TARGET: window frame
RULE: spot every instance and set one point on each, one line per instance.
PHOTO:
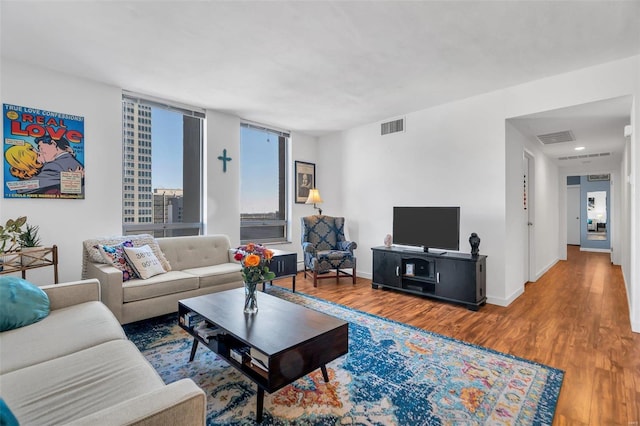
(284, 139)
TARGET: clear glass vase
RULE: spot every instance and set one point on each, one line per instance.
(250, 298)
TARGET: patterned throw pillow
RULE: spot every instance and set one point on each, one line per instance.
(116, 257)
(94, 255)
(145, 263)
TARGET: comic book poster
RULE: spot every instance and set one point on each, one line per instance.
(43, 153)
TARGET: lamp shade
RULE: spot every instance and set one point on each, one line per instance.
(314, 197)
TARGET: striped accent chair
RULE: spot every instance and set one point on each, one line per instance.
(325, 248)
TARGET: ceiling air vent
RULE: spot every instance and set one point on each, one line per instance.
(575, 157)
(392, 126)
(557, 137)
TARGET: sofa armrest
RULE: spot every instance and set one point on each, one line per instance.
(111, 284)
(178, 403)
(72, 293)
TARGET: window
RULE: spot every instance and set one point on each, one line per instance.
(162, 149)
(262, 184)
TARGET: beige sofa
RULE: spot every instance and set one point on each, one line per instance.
(77, 367)
(199, 265)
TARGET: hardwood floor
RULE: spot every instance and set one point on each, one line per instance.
(574, 318)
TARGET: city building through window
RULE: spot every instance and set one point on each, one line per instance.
(162, 168)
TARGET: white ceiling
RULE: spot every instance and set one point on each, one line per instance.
(598, 127)
(318, 66)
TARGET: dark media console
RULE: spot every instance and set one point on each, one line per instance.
(454, 277)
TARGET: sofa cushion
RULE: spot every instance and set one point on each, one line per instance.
(143, 261)
(22, 302)
(115, 255)
(63, 332)
(159, 285)
(211, 276)
(196, 251)
(73, 386)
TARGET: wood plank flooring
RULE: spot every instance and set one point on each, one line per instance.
(574, 318)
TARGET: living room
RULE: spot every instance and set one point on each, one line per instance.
(437, 141)
(461, 149)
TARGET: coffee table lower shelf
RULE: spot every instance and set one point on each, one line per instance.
(289, 354)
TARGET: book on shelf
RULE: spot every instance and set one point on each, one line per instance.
(256, 354)
(239, 354)
(259, 359)
(259, 364)
(191, 319)
(207, 331)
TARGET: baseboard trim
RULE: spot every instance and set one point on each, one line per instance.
(506, 301)
(595, 250)
(546, 269)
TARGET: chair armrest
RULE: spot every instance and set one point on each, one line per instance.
(72, 293)
(111, 284)
(308, 248)
(347, 245)
(178, 403)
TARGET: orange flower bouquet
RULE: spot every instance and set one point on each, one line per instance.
(255, 261)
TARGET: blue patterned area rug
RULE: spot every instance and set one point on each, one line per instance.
(394, 374)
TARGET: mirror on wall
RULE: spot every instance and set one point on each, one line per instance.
(597, 215)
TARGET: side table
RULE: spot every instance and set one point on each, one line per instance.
(23, 260)
(284, 264)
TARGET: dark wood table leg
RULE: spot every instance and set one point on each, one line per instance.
(194, 347)
(259, 404)
(294, 284)
(324, 373)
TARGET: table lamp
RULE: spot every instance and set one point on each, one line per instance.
(314, 198)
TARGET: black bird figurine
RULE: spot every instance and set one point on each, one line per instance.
(474, 240)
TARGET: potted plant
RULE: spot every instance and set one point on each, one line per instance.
(10, 240)
(30, 243)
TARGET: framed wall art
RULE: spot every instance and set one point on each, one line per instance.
(305, 179)
(43, 153)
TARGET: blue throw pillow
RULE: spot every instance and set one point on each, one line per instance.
(22, 303)
(6, 416)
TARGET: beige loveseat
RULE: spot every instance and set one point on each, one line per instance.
(77, 367)
(199, 265)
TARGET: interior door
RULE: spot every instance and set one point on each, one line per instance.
(573, 215)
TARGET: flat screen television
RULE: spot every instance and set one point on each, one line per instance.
(427, 227)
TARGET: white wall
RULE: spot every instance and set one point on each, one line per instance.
(67, 222)
(452, 155)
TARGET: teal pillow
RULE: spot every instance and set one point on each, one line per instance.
(22, 303)
(6, 416)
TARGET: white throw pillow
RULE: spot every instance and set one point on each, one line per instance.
(145, 263)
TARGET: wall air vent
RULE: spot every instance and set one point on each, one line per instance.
(392, 126)
(557, 137)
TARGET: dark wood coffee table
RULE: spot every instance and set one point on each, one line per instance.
(293, 339)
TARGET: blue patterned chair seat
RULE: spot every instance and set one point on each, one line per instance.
(325, 247)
